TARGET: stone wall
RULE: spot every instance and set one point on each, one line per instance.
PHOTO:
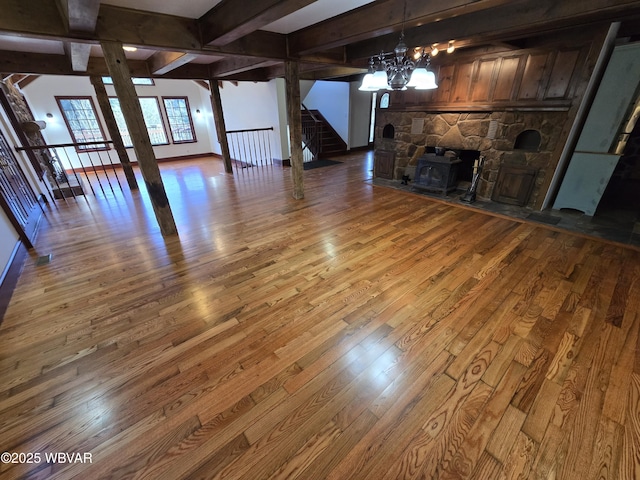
(469, 131)
(20, 109)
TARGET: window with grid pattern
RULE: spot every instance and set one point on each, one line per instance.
(82, 121)
(180, 122)
(152, 119)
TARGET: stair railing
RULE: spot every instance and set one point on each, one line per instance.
(311, 135)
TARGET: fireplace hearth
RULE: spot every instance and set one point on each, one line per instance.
(437, 173)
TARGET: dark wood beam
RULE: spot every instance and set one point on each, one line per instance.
(218, 120)
(42, 19)
(234, 66)
(330, 72)
(256, 44)
(294, 118)
(148, 29)
(227, 22)
(35, 17)
(132, 112)
(190, 71)
(38, 63)
(163, 62)
(98, 66)
(380, 18)
(256, 75)
(517, 19)
(202, 84)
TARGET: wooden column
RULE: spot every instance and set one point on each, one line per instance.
(114, 132)
(218, 119)
(294, 118)
(132, 112)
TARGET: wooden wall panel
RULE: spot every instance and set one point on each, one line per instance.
(561, 74)
(506, 78)
(462, 82)
(445, 82)
(533, 76)
(483, 81)
(540, 78)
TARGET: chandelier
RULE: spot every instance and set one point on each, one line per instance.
(397, 71)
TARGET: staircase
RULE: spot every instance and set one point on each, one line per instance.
(319, 138)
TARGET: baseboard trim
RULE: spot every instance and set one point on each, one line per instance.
(111, 166)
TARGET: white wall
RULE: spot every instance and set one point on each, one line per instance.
(245, 105)
(331, 99)
(253, 105)
(359, 116)
(41, 95)
(8, 242)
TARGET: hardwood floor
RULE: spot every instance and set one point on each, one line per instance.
(360, 333)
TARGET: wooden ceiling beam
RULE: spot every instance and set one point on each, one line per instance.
(234, 66)
(80, 16)
(517, 19)
(34, 63)
(189, 71)
(256, 44)
(226, 22)
(26, 80)
(43, 19)
(327, 73)
(378, 19)
(78, 54)
(35, 17)
(166, 32)
(163, 62)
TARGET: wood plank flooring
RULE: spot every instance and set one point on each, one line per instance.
(360, 333)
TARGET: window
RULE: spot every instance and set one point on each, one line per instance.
(179, 116)
(81, 119)
(384, 100)
(135, 80)
(152, 119)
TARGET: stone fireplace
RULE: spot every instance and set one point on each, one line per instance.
(492, 134)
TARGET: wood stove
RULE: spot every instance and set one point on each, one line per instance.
(437, 173)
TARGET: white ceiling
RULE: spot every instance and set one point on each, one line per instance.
(313, 13)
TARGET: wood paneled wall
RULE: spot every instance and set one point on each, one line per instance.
(535, 79)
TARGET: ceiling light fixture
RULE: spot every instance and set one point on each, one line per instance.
(396, 70)
(130, 49)
(451, 47)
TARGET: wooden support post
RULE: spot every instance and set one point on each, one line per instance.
(132, 112)
(221, 129)
(294, 118)
(114, 132)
